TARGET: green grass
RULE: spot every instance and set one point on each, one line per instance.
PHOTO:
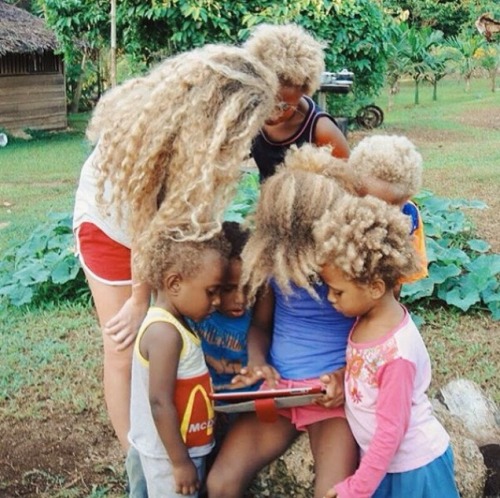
(435, 123)
(37, 177)
(49, 353)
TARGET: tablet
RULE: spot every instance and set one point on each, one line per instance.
(239, 396)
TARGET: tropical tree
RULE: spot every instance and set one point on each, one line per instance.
(447, 16)
(420, 43)
(438, 66)
(489, 60)
(398, 63)
(466, 61)
(149, 30)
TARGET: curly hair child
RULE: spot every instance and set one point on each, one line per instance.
(167, 155)
(295, 336)
(171, 429)
(298, 60)
(365, 249)
(390, 168)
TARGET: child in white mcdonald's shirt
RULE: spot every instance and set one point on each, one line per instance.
(171, 413)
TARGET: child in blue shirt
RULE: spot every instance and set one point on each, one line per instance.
(224, 332)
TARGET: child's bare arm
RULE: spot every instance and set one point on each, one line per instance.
(259, 341)
(327, 133)
(163, 349)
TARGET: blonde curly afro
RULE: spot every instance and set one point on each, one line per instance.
(290, 51)
(367, 239)
(165, 255)
(170, 143)
(391, 159)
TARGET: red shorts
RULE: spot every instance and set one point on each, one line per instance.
(302, 416)
(102, 257)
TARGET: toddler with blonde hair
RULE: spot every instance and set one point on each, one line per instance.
(390, 167)
(172, 418)
(365, 249)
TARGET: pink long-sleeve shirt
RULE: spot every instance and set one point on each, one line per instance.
(388, 409)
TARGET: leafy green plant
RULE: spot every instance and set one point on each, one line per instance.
(245, 199)
(43, 268)
(461, 271)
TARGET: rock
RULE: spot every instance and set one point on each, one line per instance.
(470, 471)
(478, 412)
(290, 476)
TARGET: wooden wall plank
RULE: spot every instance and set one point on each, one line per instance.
(33, 101)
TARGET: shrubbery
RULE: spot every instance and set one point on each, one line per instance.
(462, 271)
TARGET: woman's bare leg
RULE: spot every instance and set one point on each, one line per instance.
(108, 301)
(334, 451)
(248, 447)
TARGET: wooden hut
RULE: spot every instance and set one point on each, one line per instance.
(32, 86)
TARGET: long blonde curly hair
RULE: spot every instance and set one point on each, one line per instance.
(367, 239)
(282, 245)
(170, 143)
(289, 50)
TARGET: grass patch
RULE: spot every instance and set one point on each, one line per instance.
(39, 176)
(50, 357)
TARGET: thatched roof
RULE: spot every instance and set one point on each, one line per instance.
(22, 32)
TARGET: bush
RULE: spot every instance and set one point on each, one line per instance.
(44, 268)
(461, 271)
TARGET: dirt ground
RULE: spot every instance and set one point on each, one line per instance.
(67, 456)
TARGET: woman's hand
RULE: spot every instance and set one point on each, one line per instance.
(123, 327)
(334, 386)
(251, 374)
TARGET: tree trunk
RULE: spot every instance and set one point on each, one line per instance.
(434, 90)
(75, 102)
(417, 97)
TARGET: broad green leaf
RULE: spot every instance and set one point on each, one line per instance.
(461, 297)
(494, 307)
(479, 245)
(485, 263)
(439, 273)
(32, 273)
(64, 271)
(491, 293)
(18, 295)
(417, 290)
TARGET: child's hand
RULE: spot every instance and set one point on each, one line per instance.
(186, 478)
(334, 385)
(123, 327)
(250, 374)
(331, 493)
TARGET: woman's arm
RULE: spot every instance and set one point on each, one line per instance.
(123, 327)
